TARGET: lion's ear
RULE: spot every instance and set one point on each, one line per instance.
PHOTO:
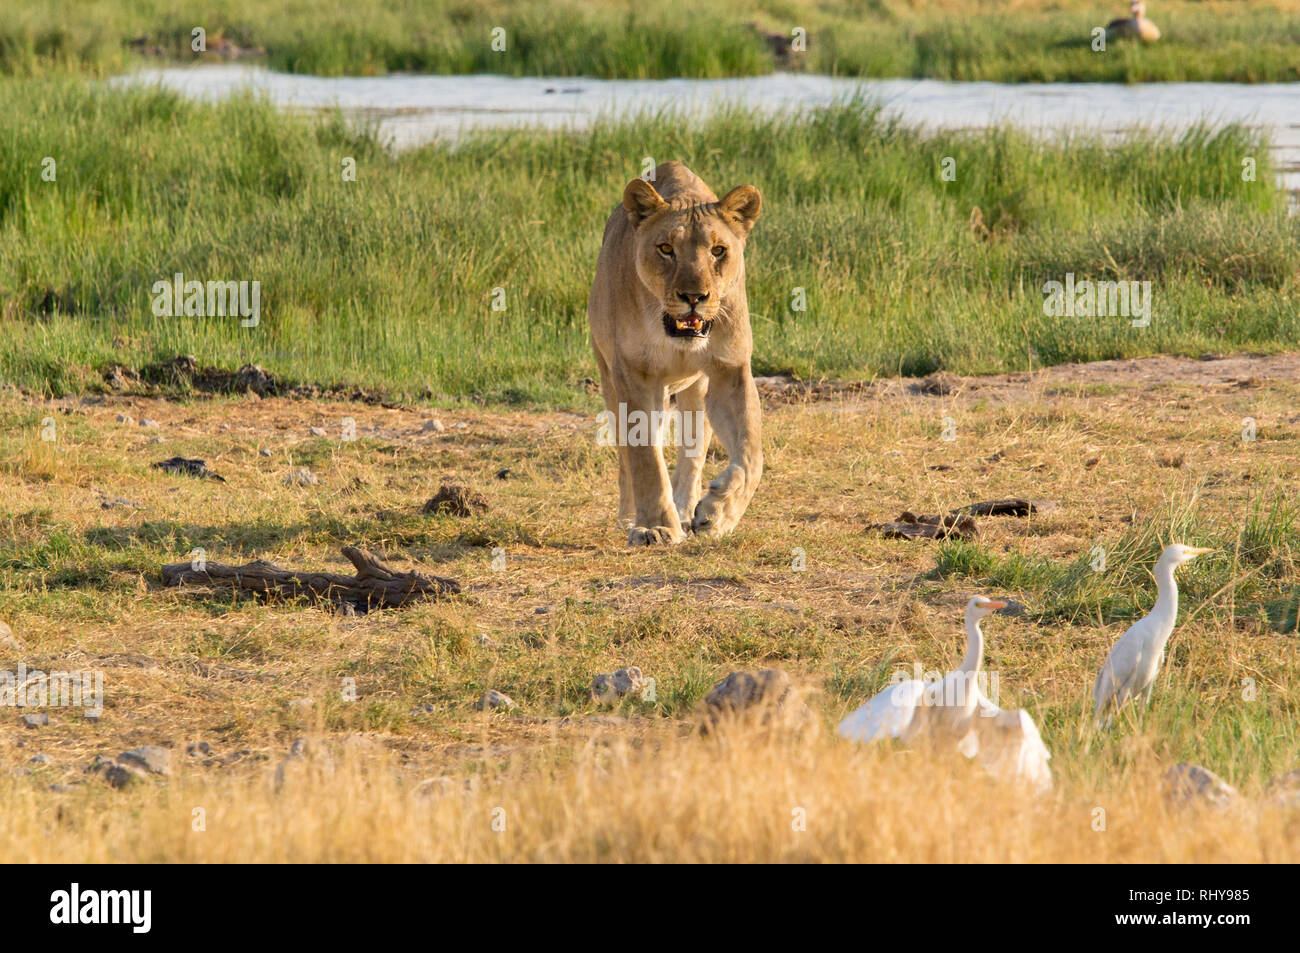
(742, 205)
(641, 200)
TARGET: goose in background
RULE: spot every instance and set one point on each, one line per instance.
(1136, 27)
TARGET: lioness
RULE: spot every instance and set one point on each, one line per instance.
(669, 320)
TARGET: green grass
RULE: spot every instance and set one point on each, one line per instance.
(975, 40)
(388, 281)
(1252, 568)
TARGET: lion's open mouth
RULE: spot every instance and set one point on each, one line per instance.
(687, 325)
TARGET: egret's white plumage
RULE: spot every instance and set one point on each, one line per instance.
(887, 715)
(955, 711)
(1009, 746)
(1134, 661)
(907, 709)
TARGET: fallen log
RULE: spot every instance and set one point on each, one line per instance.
(958, 523)
(374, 585)
(183, 467)
(1015, 506)
(913, 526)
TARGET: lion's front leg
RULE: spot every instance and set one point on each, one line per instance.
(734, 412)
(656, 516)
(694, 434)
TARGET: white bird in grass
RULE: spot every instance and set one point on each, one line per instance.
(1009, 746)
(955, 711)
(1134, 661)
(1136, 26)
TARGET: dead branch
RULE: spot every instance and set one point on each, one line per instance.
(374, 585)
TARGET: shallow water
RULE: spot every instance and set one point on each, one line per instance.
(412, 110)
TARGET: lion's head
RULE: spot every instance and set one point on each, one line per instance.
(690, 255)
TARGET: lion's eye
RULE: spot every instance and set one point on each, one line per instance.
(666, 249)
(719, 251)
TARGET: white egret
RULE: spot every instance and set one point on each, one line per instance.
(907, 709)
(955, 711)
(1009, 746)
(1134, 661)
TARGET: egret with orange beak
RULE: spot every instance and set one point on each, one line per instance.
(956, 712)
(1134, 661)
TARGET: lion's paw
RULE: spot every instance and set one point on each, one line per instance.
(653, 536)
(715, 516)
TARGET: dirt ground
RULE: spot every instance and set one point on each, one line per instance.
(552, 596)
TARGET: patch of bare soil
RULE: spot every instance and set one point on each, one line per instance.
(1241, 370)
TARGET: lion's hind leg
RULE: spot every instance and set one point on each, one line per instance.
(626, 499)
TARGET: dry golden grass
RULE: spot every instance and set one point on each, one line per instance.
(417, 772)
(750, 798)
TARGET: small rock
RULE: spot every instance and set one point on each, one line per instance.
(318, 432)
(265, 453)
(300, 477)
(1191, 782)
(157, 439)
(434, 787)
(433, 426)
(456, 499)
(148, 422)
(152, 758)
(938, 385)
(118, 377)
(195, 748)
(36, 721)
(484, 640)
(301, 754)
(61, 788)
(252, 379)
(462, 426)
(494, 699)
(503, 473)
(120, 775)
(608, 688)
(125, 419)
(541, 610)
(115, 502)
(187, 467)
(767, 695)
(39, 759)
(98, 764)
(1285, 790)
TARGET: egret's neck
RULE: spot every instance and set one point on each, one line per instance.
(974, 645)
(1166, 608)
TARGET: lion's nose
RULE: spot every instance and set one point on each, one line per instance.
(692, 299)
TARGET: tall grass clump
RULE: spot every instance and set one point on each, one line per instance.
(1113, 582)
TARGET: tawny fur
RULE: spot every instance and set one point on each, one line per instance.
(641, 366)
